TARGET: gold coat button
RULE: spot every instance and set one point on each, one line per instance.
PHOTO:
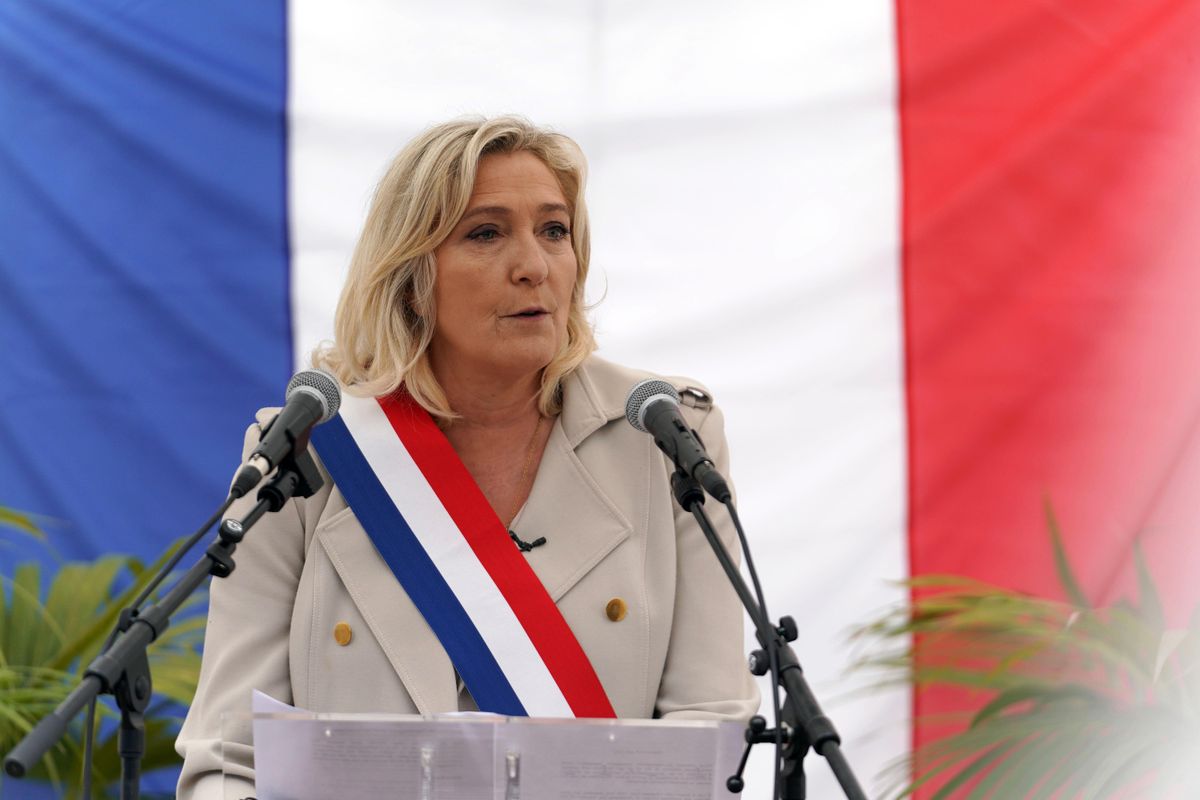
(616, 609)
(342, 634)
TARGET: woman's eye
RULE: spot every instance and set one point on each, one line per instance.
(483, 234)
(557, 231)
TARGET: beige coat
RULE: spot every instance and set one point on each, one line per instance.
(601, 497)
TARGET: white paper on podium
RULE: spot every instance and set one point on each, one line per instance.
(301, 755)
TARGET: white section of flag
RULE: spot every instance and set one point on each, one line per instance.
(744, 194)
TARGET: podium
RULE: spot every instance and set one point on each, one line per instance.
(301, 755)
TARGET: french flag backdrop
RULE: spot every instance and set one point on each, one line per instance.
(938, 261)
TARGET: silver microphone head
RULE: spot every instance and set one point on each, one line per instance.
(321, 385)
(643, 395)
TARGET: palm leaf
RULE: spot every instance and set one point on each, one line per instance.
(28, 632)
(1073, 700)
(76, 593)
(1035, 768)
(1068, 757)
(1150, 605)
(1062, 564)
(16, 520)
(44, 647)
(86, 643)
(975, 767)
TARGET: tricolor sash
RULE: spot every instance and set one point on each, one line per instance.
(435, 529)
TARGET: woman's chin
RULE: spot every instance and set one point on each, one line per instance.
(513, 365)
(526, 354)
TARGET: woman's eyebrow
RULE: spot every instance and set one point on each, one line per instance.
(504, 211)
(483, 210)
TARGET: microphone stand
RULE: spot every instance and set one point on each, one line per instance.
(123, 670)
(805, 725)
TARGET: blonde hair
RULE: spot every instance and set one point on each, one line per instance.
(385, 316)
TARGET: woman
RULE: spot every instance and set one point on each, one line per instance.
(465, 300)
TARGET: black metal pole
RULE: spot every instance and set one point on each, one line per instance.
(107, 669)
(123, 669)
(810, 725)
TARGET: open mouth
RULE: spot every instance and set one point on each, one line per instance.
(530, 313)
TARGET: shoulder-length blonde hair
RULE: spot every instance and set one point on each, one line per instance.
(385, 316)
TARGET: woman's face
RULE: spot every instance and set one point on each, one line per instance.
(506, 273)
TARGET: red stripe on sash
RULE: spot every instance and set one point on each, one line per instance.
(489, 539)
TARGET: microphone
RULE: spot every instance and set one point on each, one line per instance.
(312, 397)
(652, 406)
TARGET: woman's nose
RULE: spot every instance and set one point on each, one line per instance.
(530, 263)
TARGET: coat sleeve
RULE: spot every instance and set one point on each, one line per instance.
(705, 675)
(245, 646)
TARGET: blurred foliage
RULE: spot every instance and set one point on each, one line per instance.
(15, 520)
(1077, 701)
(48, 635)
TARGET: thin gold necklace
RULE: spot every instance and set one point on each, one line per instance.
(525, 469)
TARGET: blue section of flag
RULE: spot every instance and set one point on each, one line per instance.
(415, 570)
(144, 310)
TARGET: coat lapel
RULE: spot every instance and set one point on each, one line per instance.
(565, 491)
(566, 506)
(407, 640)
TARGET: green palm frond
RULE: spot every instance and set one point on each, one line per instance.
(1072, 700)
(48, 638)
(12, 519)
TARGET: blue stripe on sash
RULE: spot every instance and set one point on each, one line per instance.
(411, 565)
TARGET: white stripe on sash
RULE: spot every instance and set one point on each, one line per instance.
(444, 543)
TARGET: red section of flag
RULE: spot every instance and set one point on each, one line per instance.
(1051, 162)
(485, 533)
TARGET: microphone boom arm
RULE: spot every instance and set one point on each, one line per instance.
(802, 713)
(123, 669)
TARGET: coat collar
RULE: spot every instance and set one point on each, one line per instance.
(594, 395)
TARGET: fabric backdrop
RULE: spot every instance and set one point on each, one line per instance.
(935, 260)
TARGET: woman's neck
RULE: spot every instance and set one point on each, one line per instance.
(489, 402)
